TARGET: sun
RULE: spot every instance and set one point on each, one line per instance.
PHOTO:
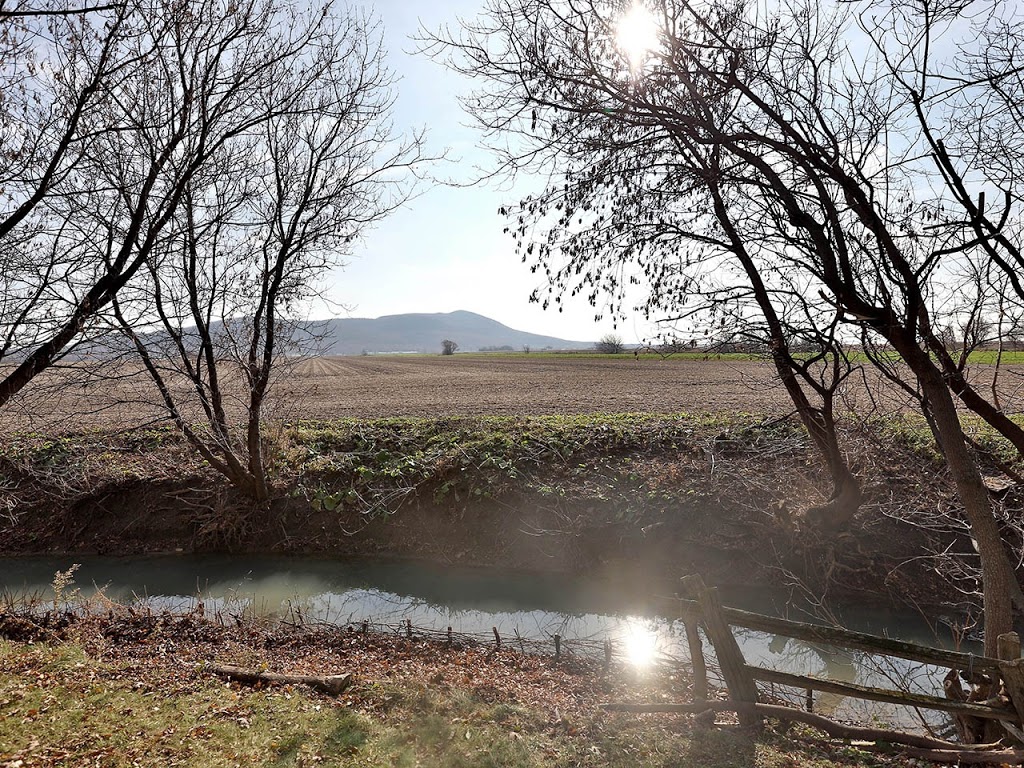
(637, 35)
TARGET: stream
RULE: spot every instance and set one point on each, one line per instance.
(526, 607)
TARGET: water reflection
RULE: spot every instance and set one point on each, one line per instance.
(815, 660)
(528, 609)
(640, 641)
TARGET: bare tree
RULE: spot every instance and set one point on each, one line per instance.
(610, 344)
(632, 204)
(219, 302)
(58, 62)
(448, 347)
(55, 61)
(144, 111)
(750, 147)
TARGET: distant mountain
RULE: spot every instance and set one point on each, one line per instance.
(419, 332)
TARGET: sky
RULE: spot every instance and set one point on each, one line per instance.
(445, 250)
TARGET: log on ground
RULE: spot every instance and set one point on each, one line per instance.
(332, 685)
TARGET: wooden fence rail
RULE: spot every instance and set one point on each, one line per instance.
(1001, 681)
(740, 676)
(856, 641)
(987, 711)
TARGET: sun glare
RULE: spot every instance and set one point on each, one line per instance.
(637, 35)
(640, 644)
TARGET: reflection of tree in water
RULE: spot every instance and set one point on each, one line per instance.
(816, 660)
(842, 665)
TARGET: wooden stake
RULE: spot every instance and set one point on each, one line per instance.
(1008, 646)
(700, 670)
(1011, 669)
(742, 688)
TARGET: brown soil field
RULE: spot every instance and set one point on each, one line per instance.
(438, 386)
(93, 396)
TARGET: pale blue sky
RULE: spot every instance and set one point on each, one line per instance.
(446, 250)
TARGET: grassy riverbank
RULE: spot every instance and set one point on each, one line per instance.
(651, 496)
(647, 495)
(132, 691)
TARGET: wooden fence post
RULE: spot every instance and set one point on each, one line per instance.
(742, 688)
(700, 670)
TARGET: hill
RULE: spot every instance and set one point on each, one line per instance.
(424, 332)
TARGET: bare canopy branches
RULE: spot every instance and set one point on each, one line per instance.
(187, 174)
(299, 159)
(803, 168)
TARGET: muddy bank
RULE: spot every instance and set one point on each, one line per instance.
(643, 498)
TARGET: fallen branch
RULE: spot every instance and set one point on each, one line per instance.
(831, 727)
(332, 685)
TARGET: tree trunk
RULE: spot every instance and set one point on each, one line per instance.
(846, 496)
(962, 388)
(999, 582)
(819, 422)
(249, 484)
(835, 514)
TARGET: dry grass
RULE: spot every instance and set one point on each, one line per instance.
(120, 692)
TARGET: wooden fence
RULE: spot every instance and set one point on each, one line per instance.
(993, 713)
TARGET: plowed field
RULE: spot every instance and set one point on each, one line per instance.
(437, 386)
(461, 385)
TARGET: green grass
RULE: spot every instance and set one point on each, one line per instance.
(990, 356)
(351, 462)
(56, 704)
(369, 466)
(977, 357)
(60, 706)
(357, 471)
